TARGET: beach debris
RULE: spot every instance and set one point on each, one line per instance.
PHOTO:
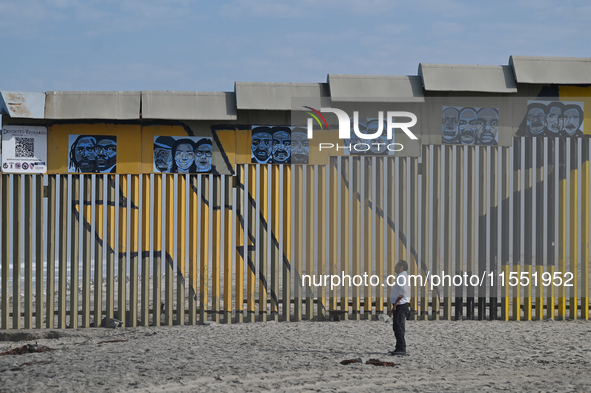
(336, 315)
(35, 362)
(29, 348)
(110, 322)
(111, 341)
(384, 318)
(349, 361)
(377, 362)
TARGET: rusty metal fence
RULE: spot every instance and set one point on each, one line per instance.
(84, 250)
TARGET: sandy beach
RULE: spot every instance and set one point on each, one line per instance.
(306, 356)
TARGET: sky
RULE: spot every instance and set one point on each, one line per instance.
(198, 45)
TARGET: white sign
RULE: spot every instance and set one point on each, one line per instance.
(24, 149)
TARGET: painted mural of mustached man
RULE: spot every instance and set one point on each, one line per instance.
(281, 147)
(553, 119)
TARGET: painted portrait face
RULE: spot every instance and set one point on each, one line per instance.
(554, 120)
(467, 126)
(449, 125)
(85, 154)
(261, 146)
(163, 159)
(184, 157)
(281, 147)
(379, 145)
(300, 147)
(536, 120)
(106, 154)
(203, 158)
(571, 121)
(487, 126)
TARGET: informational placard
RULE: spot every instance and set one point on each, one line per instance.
(24, 149)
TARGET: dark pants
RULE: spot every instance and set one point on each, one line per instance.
(398, 325)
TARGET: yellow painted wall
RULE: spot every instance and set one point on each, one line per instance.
(128, 139)
(577, 93)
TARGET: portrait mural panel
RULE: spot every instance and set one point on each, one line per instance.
(92, 153)
(469, 126)
(183, 154)
(553, 119)
(379, 146)
(279, 145)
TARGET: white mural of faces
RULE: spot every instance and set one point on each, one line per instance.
(487, 126)
(571, 120)
(449, 125)
(369, 147)
(536, 120)
(300, 146)
(469, 125)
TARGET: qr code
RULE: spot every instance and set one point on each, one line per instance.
(24, 148)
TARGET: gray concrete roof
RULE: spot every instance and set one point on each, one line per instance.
(22, 104)
(188, 105)
(275, 96)
(551, 70)
(115, 105)
(477, 78)
(375, 88)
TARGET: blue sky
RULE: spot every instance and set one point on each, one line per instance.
(207, 45)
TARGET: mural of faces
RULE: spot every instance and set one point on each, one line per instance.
(203, 155)
(368, 147)
(262, 141)
(279, 145)
(183, 154)
(553, 119)
(92, 154)
(449, 125)
(106, 155)
(469, 126)
(300, 146)
(487, 126)
(571, 119)
(163, 153)
(536, 120)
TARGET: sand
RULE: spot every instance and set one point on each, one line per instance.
(306, 356)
